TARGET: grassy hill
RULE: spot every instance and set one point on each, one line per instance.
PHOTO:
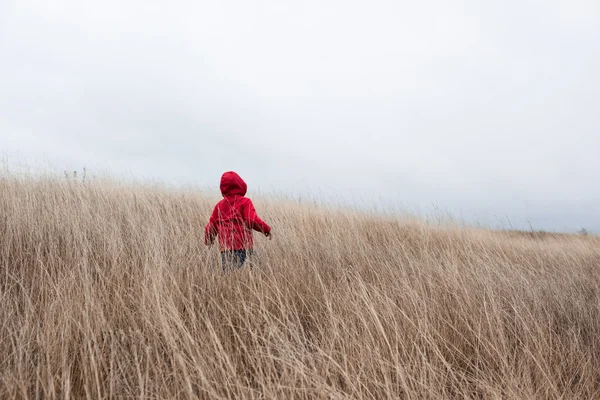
(107, 291)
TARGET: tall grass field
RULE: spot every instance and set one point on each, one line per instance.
(108, 292)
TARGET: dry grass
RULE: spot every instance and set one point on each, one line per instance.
(108, 292)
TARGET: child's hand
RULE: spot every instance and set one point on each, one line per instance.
(269, 235)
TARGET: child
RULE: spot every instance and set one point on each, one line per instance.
(233, 220)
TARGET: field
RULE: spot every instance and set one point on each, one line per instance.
(107, 291)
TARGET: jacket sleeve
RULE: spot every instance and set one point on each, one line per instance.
(252, 219)
(210, 232)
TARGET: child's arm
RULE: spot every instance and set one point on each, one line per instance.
(253, 220)
(210, 232)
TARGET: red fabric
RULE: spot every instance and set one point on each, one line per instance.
(234, 217)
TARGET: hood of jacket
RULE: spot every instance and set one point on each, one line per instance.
(232, 185)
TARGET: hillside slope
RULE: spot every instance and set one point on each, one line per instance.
(108, 291)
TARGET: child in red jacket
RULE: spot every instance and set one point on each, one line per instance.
(233, 220)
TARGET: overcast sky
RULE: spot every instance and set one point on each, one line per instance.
(487, 110)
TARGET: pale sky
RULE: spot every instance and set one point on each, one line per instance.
(486, 110)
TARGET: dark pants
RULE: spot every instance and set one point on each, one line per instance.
(234, 259)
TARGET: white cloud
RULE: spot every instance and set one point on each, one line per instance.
(478, 107)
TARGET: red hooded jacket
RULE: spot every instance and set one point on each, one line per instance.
(234, 217)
